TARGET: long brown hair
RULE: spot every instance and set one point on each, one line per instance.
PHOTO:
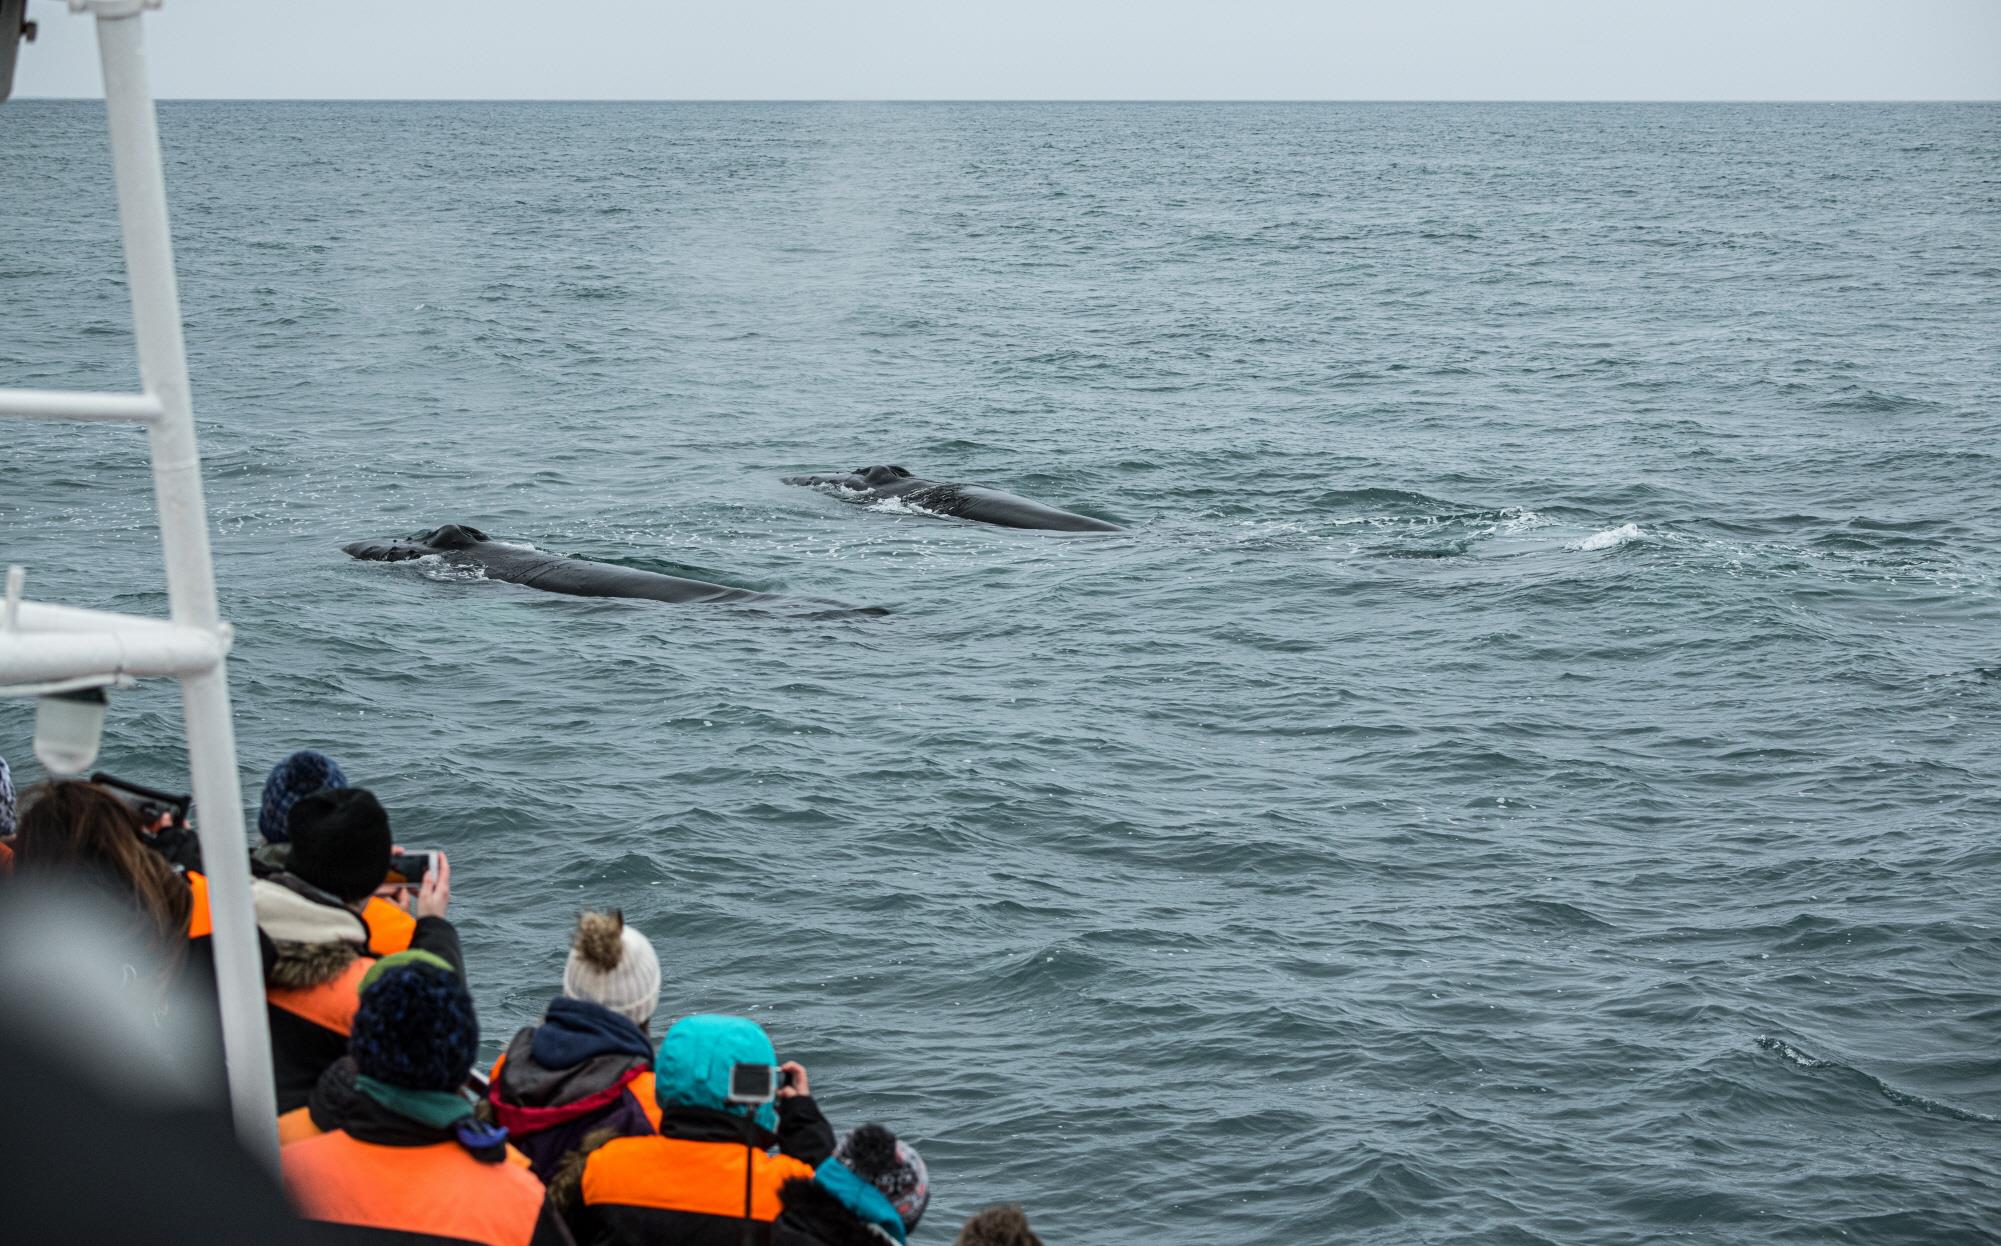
(78, 828)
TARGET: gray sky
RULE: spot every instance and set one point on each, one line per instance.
(1044, 49)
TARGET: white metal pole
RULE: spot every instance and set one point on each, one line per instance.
(177, 489)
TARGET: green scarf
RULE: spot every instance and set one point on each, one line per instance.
(440, 1109)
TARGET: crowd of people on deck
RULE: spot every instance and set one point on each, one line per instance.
(586, 1130)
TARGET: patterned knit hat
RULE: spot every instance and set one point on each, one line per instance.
(6, 799)
(301, 774)
(415, 1027)
(891, 1165)
(613, 965)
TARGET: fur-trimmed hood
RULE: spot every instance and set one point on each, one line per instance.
(313, 936)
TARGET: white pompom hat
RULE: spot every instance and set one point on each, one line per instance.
(614, 965)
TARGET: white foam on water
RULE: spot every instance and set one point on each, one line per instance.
(1611, 538)
(434, 567)
(1515, 521)
(898, 506)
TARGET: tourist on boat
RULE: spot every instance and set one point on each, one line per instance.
(588, 1066)
(77, 829)
(1005, 1225)
(310, 917)
(404, 1154)
(891, 1165)
(873, 1190)
(290, 781)
(710, 1174)
(829, 1212)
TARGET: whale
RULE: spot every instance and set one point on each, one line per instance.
(964, 501)
(462, 546)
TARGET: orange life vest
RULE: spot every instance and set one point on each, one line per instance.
(438, 1190)
(331, 1005)
(389, 927)
(297, 1126)
(673, 1174)
(200, 926)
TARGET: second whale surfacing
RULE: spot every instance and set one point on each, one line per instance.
(459, 545)
(963, 501)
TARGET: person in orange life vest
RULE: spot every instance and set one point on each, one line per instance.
(710, 1174)
(588, 1066)
(314, 940)
(298, 776)
(404, 1157)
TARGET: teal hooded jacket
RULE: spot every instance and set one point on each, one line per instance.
(692, 1067)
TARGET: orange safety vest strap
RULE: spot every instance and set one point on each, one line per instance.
(672, 1174)
(436, 1190)
(199, 924)
(389, 927)
(642, 1089)
(330, 1005)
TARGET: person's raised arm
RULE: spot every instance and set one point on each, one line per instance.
(803, 1133)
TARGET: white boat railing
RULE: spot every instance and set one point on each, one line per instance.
(43, 645)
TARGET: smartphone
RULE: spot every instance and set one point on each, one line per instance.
(407, 869)
(755, 1083)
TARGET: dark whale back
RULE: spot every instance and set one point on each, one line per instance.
(465, 545)
(877, 477)
(961, 501)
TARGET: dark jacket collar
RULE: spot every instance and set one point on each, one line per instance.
(575, 1030)
(338, 1104)
(709, 1125)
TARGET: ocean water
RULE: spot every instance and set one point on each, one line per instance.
(1528, 774)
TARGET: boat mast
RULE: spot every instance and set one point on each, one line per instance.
(42, 645)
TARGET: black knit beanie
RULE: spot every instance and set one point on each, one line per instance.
(340, 841)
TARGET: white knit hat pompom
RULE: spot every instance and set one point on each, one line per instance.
(614, 965)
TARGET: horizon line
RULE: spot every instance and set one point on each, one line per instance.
(443, 99)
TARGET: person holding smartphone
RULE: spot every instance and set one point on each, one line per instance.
(311, 917)
(735, 1124)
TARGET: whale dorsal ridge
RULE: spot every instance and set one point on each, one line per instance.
(453, 536)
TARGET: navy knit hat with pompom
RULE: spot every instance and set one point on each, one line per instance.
(415, 1028)
(298, 776)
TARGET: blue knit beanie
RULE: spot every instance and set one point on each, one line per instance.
(415, 1028)
(299, 775)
